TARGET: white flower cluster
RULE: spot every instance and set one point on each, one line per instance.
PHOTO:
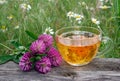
(25, 7)
(103, 6)
(48, 31)
(95, 21)
(77, 17)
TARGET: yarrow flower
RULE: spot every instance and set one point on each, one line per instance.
(95, 21)
(47, 39)
(38, 46)
(43, 65)
(48, 31)
(54, 56)
(25, 63)
(25, 7)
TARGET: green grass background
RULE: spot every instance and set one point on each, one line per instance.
(45, 13)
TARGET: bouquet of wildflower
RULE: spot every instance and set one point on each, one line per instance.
(42, 56)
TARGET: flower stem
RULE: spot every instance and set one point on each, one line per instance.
(6, 47)
(100, 29)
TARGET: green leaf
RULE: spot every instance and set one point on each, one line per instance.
(117, 4)
(33, 36)
(41, 55)
(15, 43)
(16, 60)
(38, 58)
(28, 45)
(117, 10)
(5, 58)
(32, 59)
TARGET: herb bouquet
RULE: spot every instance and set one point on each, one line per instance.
(40, 55)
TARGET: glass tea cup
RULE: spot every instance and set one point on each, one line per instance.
(79, 45)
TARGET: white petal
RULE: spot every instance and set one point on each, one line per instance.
(97, 22)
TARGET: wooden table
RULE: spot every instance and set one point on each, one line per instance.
(99, 69)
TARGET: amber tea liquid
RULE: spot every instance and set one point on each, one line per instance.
(78, 47)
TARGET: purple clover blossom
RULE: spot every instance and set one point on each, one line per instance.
(38, 46)
(43, 65)
(54, 56)
(47, 39)
(25, 64)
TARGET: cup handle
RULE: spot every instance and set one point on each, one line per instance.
(106, 46)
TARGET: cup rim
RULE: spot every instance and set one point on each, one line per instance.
(56, 33)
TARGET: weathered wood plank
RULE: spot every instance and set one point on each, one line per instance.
(97, 70)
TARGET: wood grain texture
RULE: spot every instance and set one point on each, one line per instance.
(98, 70)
